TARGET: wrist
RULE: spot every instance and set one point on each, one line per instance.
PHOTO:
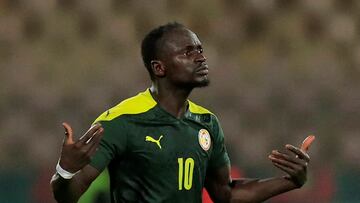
(64, 173)
(294, 184)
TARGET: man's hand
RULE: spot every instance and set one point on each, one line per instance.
(293, 161)
(77, 154)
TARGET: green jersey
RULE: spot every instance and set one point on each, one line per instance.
(153, 156)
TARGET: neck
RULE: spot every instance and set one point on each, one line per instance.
(170, 98)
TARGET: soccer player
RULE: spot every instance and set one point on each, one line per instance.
(159, 146)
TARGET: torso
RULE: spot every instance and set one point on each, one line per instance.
(162, 159)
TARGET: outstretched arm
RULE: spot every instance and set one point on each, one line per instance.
(222, 189)
(292, 160)
(75, 158)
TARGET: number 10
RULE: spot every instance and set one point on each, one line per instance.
(186, 175)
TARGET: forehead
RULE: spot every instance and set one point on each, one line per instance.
(180, 38)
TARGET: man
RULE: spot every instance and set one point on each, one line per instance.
(160, 147)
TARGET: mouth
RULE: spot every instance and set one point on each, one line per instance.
(203, 69)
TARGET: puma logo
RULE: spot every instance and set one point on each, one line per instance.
(150, 139)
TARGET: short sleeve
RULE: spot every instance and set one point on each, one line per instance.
(219, 156)
(112, 144)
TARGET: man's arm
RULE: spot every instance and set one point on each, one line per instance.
(70, 190)
(75, 158)
(293, 161)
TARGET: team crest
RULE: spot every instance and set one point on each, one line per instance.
(204, 139)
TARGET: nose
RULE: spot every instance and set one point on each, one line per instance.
(200, 58)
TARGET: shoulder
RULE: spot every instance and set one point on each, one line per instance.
(138, 104)
(197, 109)
(205, 116)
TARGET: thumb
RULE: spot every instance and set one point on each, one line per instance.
(68, 133)
(307, 142)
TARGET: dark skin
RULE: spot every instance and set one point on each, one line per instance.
(180, 67)
(75, 156)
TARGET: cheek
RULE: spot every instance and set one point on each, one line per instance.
(184, 66)
(184, 71)
(181, 69)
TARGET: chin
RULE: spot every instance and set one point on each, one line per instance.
(203, 83)
(195, 83)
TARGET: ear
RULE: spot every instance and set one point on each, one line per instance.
(158, 68)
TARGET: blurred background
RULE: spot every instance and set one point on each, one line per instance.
(280, 70)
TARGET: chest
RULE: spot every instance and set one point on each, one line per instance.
(166, 144)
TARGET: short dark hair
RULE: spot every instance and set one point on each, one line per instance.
(149, 45)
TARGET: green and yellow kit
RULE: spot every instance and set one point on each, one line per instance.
(153, 156)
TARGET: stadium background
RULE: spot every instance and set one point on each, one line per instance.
(280, 70)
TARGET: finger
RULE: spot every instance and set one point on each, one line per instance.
(287, 155)
(286, 163)
(300, 153)
(307, 143)
(94, 139)
(69, 137)
(95, 142)
(98, 133)
(286, 152)
(90, 133)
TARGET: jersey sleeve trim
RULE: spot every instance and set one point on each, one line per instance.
(140, 103)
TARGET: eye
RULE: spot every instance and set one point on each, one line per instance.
(191, 52)
(188, 52)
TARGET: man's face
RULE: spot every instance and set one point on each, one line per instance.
(182, 55)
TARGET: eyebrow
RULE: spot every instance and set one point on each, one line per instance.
(190, 47)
